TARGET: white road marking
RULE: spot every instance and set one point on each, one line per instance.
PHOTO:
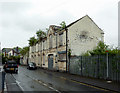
(45, 84)
(5, 87)
(51, 88)
(18, 83)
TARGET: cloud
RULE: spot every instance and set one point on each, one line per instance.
(22, 19)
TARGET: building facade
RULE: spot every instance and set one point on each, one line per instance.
(82, 35)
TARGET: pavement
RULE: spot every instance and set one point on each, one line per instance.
(91, 82)
(1, 79)
(11, 84)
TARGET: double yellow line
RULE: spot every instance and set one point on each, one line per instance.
(84, 84)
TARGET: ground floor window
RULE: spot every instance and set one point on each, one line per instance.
(62, 57)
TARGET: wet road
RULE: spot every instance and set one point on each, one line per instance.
(43, 80)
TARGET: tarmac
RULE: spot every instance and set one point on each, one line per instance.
(102, 84)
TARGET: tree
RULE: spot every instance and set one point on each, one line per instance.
(101, 48)
(40, 35)
(114, 51)
(4, 59)
(32, 41)
(63, 24)
(24, 50)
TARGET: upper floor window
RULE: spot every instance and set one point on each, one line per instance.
(43, 45)
(43, 59)
(50, 41)
(60, 39)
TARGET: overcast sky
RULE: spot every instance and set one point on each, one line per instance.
(20, 19)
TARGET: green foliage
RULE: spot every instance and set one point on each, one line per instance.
(86, 54)
(47, 29)
(13, 57)
(114, 52)
(16, 58)
(24, 50)
(32, 41)
(40, 35)
(101, 48)
(4, 59)
(69, 53)
(16, 47)
(63, 24)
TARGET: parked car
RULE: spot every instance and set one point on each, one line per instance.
(31, 65)
(11, 66)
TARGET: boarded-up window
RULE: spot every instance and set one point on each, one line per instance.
(50, 41)
(60, 39)
(43, 45)
(43, 59)
(62, 57)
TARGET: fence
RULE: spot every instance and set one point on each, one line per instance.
(100, 66)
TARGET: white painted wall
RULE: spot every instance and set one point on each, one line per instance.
(37, 47)
(79, 45)
(10, 53)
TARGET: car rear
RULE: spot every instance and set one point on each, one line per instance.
(11, 66)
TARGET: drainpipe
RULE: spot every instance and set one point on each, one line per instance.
(56, 52)
(66, 47)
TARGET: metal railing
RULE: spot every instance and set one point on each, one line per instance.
(96, 66)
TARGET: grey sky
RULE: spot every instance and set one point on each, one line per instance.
(19, 20)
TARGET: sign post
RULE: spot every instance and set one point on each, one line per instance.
(107, 64)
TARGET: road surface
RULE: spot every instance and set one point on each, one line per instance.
(43, 80)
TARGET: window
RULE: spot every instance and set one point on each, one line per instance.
(60, 39)
(62, 57)
(43, 59)
(43, 45)
(50, 41)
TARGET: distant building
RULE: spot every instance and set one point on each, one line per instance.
(83, 35)
(14, 52)
(5, 51)
(11, 51)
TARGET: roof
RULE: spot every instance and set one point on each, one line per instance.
(9, 49)
(6, 50)
(59, 28)
(81, 19)
(55, 28)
